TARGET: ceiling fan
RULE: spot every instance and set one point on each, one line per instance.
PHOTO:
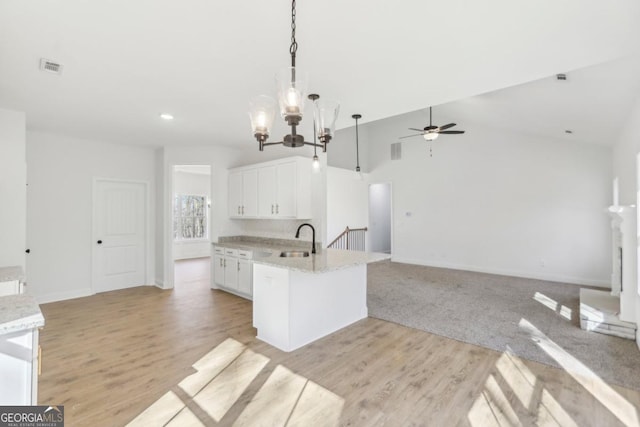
(431, 132)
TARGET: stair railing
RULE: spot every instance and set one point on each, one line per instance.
(350, 239)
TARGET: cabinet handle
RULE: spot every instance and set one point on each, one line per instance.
(238, 266)
(272, 209)
(277, 208)
(242, 209)
(220, 262)
(238, 210)
(39, 359)
(225, 263)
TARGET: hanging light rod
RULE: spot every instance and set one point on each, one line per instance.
(292, 85)
(357, 117)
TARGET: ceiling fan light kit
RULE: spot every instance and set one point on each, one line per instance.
(431, 132)
(292, 87)
(430, 136)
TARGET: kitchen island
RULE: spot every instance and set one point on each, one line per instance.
(298, 300)
(20, 319)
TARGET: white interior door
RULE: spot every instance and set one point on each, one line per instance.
(119, 225)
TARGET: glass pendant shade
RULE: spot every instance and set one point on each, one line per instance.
(292, 92)
(326, 113)
(262, 110)
(430, 136)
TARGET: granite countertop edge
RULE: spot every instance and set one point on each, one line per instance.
(8, 274)
(19, 313)
(326, 260)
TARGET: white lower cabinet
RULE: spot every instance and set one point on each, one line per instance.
(233, 271)
(19, 366)
(10, 287)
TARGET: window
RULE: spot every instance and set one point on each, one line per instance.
(189, 217)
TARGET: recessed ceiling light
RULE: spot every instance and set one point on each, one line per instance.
(166, 116)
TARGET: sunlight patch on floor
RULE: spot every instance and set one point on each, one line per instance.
(551, 413)
(217, 397)
(210, 365)
(563, 310)
(492, 406)
(160, 412)
(223, 375)
(185, 418)
(605, 394)
(521, 380)
(292, 400)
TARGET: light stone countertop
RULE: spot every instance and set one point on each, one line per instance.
(19, 313)
(8, 274)
(324, 261)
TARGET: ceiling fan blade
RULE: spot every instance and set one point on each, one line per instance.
(452, 132)
(417, 130)
(410, 136)
(450, 125)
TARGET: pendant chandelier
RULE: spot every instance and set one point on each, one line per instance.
(292, 86)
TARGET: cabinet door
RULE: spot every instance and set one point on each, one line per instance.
(267, 192)
(218, 270)
(10, 288)
(16, 368)
(245, 268)
(250, 193)
(231, 273)
(235, 194)
(286, 190)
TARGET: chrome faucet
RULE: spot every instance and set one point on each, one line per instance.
(313, 236)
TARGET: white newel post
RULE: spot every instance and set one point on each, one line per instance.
(624, 255)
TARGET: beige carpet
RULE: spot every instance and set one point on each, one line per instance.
(534, 319)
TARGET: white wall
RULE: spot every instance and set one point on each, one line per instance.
(625, 154)
(347, 201)
(59, 202)
(341, 152)
(185, 182)
(499, 202)
(13, 188)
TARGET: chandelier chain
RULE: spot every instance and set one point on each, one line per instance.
(294, 44)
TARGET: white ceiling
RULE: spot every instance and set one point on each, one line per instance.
(594, 103)
(125, 62)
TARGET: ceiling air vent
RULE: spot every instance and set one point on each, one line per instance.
(50, 66)
(396, 151)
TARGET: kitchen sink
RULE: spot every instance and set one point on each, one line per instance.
(288, 254)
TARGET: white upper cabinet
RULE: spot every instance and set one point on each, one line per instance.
(250, 193)
(283, 190)
(286, 186)
(267, 194)
(243, 193)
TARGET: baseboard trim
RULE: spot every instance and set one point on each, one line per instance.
(62, 296)
(528, 275)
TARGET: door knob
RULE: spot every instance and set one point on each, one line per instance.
(99, 242)
(28, 251)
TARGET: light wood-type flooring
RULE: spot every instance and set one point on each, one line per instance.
(190, 357)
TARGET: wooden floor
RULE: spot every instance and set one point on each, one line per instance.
(193, 353)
